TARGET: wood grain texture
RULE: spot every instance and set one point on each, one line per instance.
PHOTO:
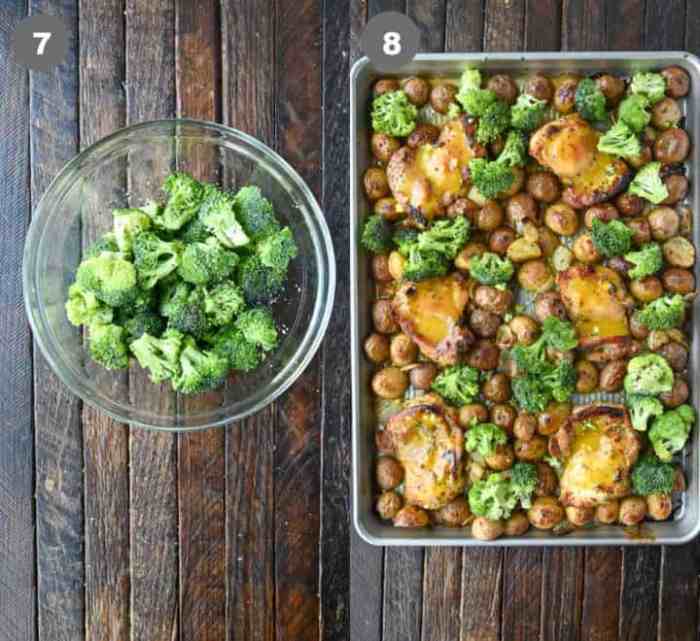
(543, 25)
(378, 6)
(562, 594)
(430, 20)
(584, 25)
(625, 25)
(639, 594)
(678, 599)
(664, 24)
(464, 25)
(601, 596)
(504, 25)
(403, 594)
(57, 434)
(442, 593)
(482, 582)
(522, 592)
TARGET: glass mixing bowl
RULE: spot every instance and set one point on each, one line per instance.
(126, 169)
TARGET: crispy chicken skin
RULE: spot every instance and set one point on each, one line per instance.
(427, 179)
(427, 440)
(430, 312)
(595, 299)
(598, 447)
(568, 146)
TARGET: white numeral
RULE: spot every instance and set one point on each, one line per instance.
(392, 43)
(43, 37)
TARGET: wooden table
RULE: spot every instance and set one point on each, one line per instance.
(243, 533)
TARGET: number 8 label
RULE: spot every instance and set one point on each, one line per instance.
(392, 43)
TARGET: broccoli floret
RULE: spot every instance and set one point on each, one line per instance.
(561, 381)
(109, 277)
(404, 238)
(642, 409)
(590, 101)
(527, 113)
(219, 216)
(155, 258)
(185, 311)
(255, 212)
(206, 262)
(493, 122)
(222, 302)
(530, 393)
(648, 374)
(556, 334)
(84, 308)
(648, 184)
(160, 356)
(492, 498)
(523, 481)
(491, 178)
(446, 237)
(647, 261)
(474, 99)
(259, 328)
(393, 114)
(376, 235)
(128, 223)
(278, 250)
(663, 313)
(231, 344)
(184, 198)
(484, 438)
(620, 140)
(458, 384)
(200, 370)
(108, 243)
(634, 112)
(613, 238)
(142, 301)
(107, 344)
(260, 284)
(143, 323)
(514, 152)
(490, 269)
(194, 232)
(652, 85)
(424, 264)
(652, 476)
(669, 432)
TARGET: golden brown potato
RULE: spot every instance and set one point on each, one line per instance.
(383, 146)
(441, 96)
(641, 232)
(387, 209)
(675, 354)
(517, 524)
(604, 212)
(642, 159)
(553, 417)
(545, 513)
(504, 87)
(497, 388)
(473, 413)
(666, 113)
(646, 289)
(672, 146)
(385, 85)
(629, 204)
(520, 208)
(484, 324)
(524, 426)
(547, 481)
(538, 86)
(388, 505)
(396, 265)
(677, 187)
(493, 299)
(417, 90)
(389, 473)
(516, 185)
(531, 451)
(484, 355)
(411, 516)
(587, 377)
(383, 318)
(565, 93)
(584, 249)
(524, 328)
(423, 375)
(608, 512)
(377, 348)
(659, 506)
(523, 249)
(423, 134)
(612, 87)
(549, 242)
(579, 516)
(535, 276)
(544, 186)
(470, 249)
(403, 350)
(503, 415)
(679, 482)
(612, 376)
(677, 81)
(376, 183)
(678, 281)
(679, 252)
(561, 219)
(490, 216)
(390, 382)
(501, 458)
(501, 239)
(633, 509)
(664, 223)
(380, 268)
(463, 207)
(455, 514)
(677, 396)
(486, 530)
(549, 304)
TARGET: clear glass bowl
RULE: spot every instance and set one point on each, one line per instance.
(127, 168)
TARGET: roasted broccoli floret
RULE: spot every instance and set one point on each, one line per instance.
(230, 343)
(278, 250)
(561, 381)
(259, 328)
(492, 498)
(194, 232)
(404, 238)
(647, 261)
(491, 178)
(546, 382)
(613, 238)
(107, 344)
(530, 393)
(663, 313)
(652, 85)
(255, 212)
(184, 198)
(473, 99)
(446, 237)
(620, 140)
(493, 122)
(109, 277)
(490, 269)
(376, 235)
(652, 476)
(590, 101)
(523, 481)
(200, 370)
(514, 152)
(219, 216)
(458, 384)
(222, 302)
(669, 432)
(260, 284)
(155, 258)
(84, 308)
(556, 334)
(642, 409)
(424, 264)
(634, 112)
(185, 311)
(648, 374)
(206, 262)
(160, 356)
(393, 114)
(107, 243)
(146, 322)
(484, 438)
(527, 113)
(648, 184)
(128, 223)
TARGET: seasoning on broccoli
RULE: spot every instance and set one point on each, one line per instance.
(259, 328)
(634, 112)
(111, 278)
(648, 374)
(84, 308)
(184, 198)
(155, 258)
(194, 232)
(404, 238)
(530, 393)
(278, 249)
(200, 370)
(231, 344)
(376, 234)
(669, 433)
(523, 481)
(107, 345)
(260, 284)
(490, 269)
(446, 237)
(648, 183)
(492, 498)
(107, 243)
(652, 85)
(514, 152)
(255, 213)
(159, 356)
(206, 262)
(663, 313)
(471, 96)
(491, 178)
(484, 438)
(128, 223)
(613, 238)
(652, 476)
(642, 409)
(493, 122)
(620, 140)
(219, 216)
(458, 385)
(185, 311)
(535, 390)
(393, 114)
(590, 101)
(527, 113)
(424, 264)
(647, 261)
(145, 322)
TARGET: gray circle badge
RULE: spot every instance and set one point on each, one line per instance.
(390, 40)
(40, 42)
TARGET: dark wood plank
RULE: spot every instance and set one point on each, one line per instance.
(504, 25)
(105, 442)
(692, 28)
(403, 594)
(17, 552)
(583, 25)
(562, 594)
(543, 25)
(664, 24)
(57, 435)
(522, 590)
(464, 25)
(378, 6)
(625, 25)
(150, 72)
(442, 594)
(640, 594)
(678, 601)
(430, 20)
(601, 596)
(482, 581)
(248, 87)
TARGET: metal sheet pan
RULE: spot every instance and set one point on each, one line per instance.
(685, 523)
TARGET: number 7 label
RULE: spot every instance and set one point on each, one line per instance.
(43, 37)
